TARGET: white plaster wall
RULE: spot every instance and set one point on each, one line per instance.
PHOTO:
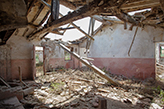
(115, 41)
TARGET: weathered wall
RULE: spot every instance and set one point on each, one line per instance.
(5, 60)
(111, 45)
(54, 57)
(18, 52)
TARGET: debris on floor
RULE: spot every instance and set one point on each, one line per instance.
(83, 89)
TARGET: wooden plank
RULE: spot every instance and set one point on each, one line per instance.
(30, 6)
(37, 14)
(140, 5)
(45, 18)
(91, 66)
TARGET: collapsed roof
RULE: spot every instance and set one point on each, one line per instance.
(39, 17)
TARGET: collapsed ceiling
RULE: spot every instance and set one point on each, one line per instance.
(40, 17)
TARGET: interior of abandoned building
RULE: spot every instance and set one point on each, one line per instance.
(118, 65)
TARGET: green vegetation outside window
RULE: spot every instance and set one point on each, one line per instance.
(67, 56)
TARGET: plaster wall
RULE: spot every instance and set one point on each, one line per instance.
(19, 52)
(55, 57)
(111, 45)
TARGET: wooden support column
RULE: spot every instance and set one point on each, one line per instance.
(54, 10)
(90, 65)
(44, 60)
(102, 103)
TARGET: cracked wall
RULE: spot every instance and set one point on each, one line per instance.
(18, 52)
(111, 45)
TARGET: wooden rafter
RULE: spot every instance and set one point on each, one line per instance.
(84, 11)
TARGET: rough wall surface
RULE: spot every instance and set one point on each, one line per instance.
(5, 60)
(18, 52)
(55, 57)
(111, 46)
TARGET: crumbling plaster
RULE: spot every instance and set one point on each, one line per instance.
(21, 54)
(55, 57)
(111, 45)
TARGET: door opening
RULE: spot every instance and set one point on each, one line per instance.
(39, 61)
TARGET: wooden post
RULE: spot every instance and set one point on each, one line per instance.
(54, 10)
(44, 61)
(20, 74)
(91, 66)
(102, 103)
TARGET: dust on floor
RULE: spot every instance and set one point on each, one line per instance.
(82, 89)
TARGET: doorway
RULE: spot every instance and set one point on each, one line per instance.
(159, 55)
(39, 61)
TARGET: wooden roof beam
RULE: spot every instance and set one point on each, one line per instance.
(140, 5)
(85, 11)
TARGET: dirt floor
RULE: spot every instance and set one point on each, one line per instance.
(83, 89)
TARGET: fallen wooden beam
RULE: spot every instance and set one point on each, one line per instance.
(1, 79)
(90, 59)
(91, 66)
